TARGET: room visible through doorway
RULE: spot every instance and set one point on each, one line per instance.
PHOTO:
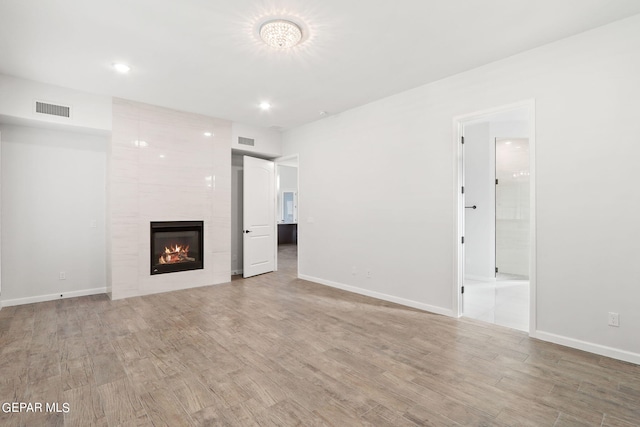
(287, 211)
(495, 217)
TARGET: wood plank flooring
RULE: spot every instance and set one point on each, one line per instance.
(277, 351)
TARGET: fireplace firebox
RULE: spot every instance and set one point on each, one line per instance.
(176, 246)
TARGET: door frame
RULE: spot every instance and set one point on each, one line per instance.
(277, 162)
(458, 273)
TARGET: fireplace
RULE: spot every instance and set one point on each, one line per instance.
(176, 246)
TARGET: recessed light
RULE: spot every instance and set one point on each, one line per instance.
(208, 134)
(265, 106)
(138, 143)
(121, 68)
(162, 156)
(508, 142)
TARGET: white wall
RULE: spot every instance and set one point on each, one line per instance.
(268, 142)
(380, 187)
(53, 194)
(180, 175)
(89, 112)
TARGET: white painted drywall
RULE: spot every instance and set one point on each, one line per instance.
(89, 112)
(380, 187)
(53, 192)
(268, 142)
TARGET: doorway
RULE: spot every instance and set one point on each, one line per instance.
(284, 218)
(287, 204)
(495, 205)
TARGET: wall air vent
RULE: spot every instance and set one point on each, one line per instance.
(246, 141)
(53, 109)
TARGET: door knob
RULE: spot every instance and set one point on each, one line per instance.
(470, 207)
(246, 231)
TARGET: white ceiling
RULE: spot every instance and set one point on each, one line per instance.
(204, 56)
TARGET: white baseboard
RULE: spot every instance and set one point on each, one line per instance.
(51, 297)
(380, 296)
(602, 350)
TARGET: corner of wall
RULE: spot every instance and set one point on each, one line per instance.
(381, 296)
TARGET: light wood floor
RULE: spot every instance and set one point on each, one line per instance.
(277, 351)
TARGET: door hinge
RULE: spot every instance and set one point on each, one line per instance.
(496, 181)
(463, 239)
(462, 189)
(462, 290)
(496, 270)
(462, 139)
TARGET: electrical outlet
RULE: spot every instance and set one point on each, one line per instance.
(614, 319)
(354, 270)
(63, 275)
(368, 274)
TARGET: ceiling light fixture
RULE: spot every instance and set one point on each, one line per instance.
(208, 134)
(280, 34)
(265, 106)
(121, 68)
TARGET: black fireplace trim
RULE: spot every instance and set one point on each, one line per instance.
(176, 226)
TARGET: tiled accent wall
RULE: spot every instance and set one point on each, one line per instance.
(162, 167)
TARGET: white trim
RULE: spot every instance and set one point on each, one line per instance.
(602, 350)
(380, 296)
(51, 297)
(458, 272)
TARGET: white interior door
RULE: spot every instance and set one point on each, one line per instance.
(258, 218)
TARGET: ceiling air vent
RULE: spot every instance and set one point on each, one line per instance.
(246, 141)
(53, 109)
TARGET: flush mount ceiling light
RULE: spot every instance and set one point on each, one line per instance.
(264, 106)
(280, 33)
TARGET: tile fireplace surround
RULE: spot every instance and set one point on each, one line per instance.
(161, 167)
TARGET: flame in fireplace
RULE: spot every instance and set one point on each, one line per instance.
(175, 254)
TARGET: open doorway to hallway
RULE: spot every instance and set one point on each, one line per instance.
(284, 219)
(495, 217)
(287, 212)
